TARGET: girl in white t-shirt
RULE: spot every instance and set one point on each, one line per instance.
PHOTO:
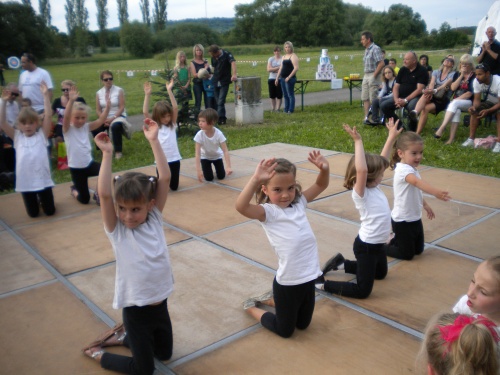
(406, 215)
(483, 296)
(33, 179)
(165, 114)
(281, 210)
(134, 225)
(363, 176)
(76, 130)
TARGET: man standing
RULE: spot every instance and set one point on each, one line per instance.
(224, 73)
(410, 81)
(490, 51)
(30, 80)
(374, 63)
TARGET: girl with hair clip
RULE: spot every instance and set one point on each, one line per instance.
(134, 225)
(33, 179)
(363, 176)
(406, 215)
(457, 344)
(165, 114)
(281, 210)
(75, 128)
(483, 296)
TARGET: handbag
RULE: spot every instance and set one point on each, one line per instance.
(440, 95)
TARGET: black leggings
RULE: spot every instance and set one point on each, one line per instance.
(370, 265)
(149, 335)
(175, 170)
(408, 239)
(80, 177)
(208, 173)
(33, 200)
(116, 134)
(294, 308)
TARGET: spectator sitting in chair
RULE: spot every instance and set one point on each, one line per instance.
(490, 51)
(393, 64)
(435, 97)
(411, 80)
(486, 102)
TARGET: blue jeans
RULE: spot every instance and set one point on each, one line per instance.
(220, 99)
(199, 92)
(288, 89)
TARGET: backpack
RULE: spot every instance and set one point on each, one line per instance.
(487, 142)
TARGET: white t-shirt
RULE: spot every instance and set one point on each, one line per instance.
(29, 86)
(210, 147)
(32, 162)
(143, 271)
(375, 215)
(494, 88)
(275, 63)
(78, 146)
(293, 240)
(408, 199)
(167, 136)
(114, 95)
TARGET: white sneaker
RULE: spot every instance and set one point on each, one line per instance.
(496, 148)
(468, 143)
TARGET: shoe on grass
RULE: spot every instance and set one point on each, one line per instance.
(468, 143)
(496, 148)
(333, 263)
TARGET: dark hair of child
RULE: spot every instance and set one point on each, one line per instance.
(375, 164)
(283, 166)
(210, 115)
(402, 143)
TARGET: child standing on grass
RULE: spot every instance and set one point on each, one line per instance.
(208, 87)
(483, 296)
(76, 128)
(134, 225)
(210, 147)
(165, 114)
(33, 179)
(406, 215)
(281, 209)
(183, 76)
(363, 176)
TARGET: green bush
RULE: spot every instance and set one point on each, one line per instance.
(137, 39)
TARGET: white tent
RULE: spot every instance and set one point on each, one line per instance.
(492, 18)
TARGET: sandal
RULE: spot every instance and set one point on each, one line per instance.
(99, 341)
(93, 354)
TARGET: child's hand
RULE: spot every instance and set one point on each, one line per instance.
(229, 171)
(73, 93)
(352, 132)
(430, 213)
(5, 95)
(150, 129)
(319, 160)
(393, 127)
(44, 88)
(103, 142)
(442, 195)
(265, 170)
(147, 88)
(170, 85)
(200, 176)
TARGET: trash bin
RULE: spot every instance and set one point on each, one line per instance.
(248, 101)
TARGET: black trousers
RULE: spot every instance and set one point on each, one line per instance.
(370, 265)
(208, 173)
(149, 335)
(33, 200)
(175, 170)
(294, 308)
(80, 178)
(408, 240)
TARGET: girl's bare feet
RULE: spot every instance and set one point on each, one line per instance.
(95, 352)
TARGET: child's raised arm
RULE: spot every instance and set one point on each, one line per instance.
(151, 129)
(173, 102)
(104, 185)
(73, 95)
(359, 160)
(262, 174)
(147, 96)
(47, 109)
(9, 130)
(391, 138)
(93, 125)
(323, 179)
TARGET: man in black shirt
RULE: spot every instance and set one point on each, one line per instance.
(490, 52)
(410, 81)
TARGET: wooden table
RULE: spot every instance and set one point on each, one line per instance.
(302, 86)
(353, 82)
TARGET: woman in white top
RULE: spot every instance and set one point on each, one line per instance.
(117, 117)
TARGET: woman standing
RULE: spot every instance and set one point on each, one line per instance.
(198, 62)
(462, 99)
(273, 66)
(117, 118)
(287, 76)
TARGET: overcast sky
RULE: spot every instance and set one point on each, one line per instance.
(433, 12)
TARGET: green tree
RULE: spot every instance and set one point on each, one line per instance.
(23, 31)
(44, 7)
(81, 27)
(186, 34)
(137, 39)
(102, 21)
(145, 12)
(26, 2)
(159, 14)
(446, 37)
(355, 17)
(122, 11)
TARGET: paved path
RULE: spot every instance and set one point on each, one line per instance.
(313, 98)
